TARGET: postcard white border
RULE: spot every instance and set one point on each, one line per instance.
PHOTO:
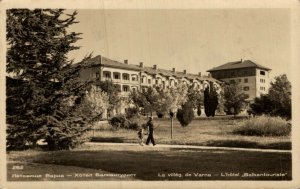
(293, 5)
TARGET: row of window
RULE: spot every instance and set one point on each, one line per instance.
(127, 88)
(262, 88)
(133, 79)
(239, 80)
(236, 73)
(233, 73)
(248, 88)
(262, 80)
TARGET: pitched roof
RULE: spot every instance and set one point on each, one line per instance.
(96, 61)
(237, 65)
(149, 70)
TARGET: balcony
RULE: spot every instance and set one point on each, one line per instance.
(106, 79)
(124, 94)
(134, 82)
(116, 80)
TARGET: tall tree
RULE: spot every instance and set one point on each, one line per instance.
(179, 97)
(113, 92)
(234, 98)
(146, 99)
(38, 69)
(96, 102)
(280, 95)
(195, 97)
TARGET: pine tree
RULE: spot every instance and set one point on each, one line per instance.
(41, 80)
(210, 101)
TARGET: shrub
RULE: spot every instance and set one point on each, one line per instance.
(186, 114)
(159, 114)
(199, 110)
(120, 121)
(134, 123)
(264, 126)
(131, 112)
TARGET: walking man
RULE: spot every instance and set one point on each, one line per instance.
(150, 131)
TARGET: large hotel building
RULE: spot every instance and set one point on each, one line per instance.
(252, 77)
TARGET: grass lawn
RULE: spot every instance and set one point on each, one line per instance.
(149, 163)
(202, 131)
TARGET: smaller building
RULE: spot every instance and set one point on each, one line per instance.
(252, 77)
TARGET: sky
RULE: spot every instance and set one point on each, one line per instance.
(195, 40)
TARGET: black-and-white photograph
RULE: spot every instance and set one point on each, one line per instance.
(148, 94)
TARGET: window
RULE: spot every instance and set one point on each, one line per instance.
(97, 75)
(107, 75)
(125, 88)
(156, 82)
(134, 89)
(240, 80)
(116, 76)
(125, 77)
(246, 80)
(133, 78)
(231, 81)
(149, 81)
(262, 73)
(231, 74)
(246, 88)
(247, 96)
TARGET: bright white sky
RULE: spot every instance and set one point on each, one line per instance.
(195, 40)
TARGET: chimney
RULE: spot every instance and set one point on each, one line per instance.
(184, 71)
(155, 66)
(199, 74)
(141, 64)
(173, 70)
(126, 61)
(241, 60)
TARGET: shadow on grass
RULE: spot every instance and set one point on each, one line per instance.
(250, 144)
(108, 139)
(218, 143)
(223, 117)
(151, 163)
